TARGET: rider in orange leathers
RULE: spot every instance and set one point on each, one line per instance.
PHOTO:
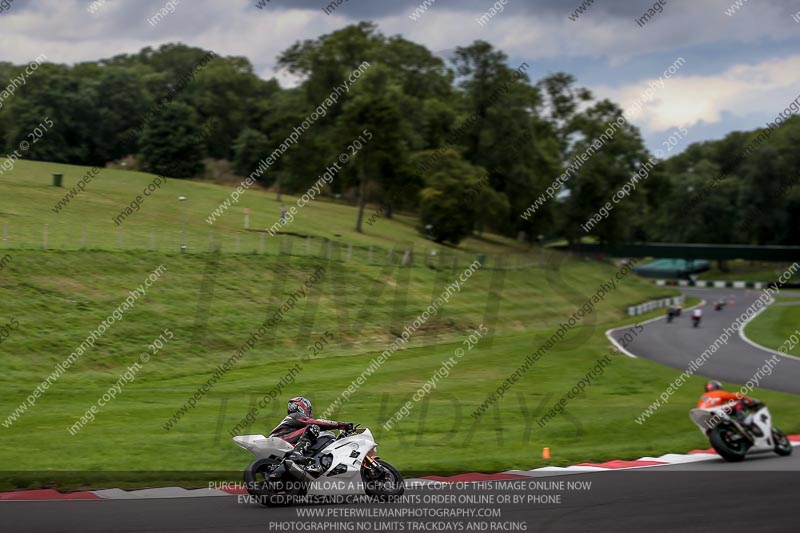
(715, 397)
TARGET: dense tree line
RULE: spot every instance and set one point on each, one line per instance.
(468, 143)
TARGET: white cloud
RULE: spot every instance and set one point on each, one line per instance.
(67, 32)
(740, 90)
(613, 36)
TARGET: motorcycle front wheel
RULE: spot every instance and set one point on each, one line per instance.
(383, 486)
(269, 492)
(782, 444)
(728, 443)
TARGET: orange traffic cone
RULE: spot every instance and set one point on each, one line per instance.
(545, 453)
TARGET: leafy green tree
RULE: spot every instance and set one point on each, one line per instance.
(762, 203)
(374, 111)
(121, 101)
(249, 149)
(300, 165)
(448, 205)
(174, 60)
(421, 74)
(792, 236)
(326, 62)
(604, 172)
(437, 119)
(68, 101)
(561, 102)
(228, 91)
(500, 130)
(167, 143)
(424, 80)
(699, 206)
(735, 190)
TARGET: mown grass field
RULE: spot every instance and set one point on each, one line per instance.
(57, 297)
(212, 302)
(27, 200)
(773, 327)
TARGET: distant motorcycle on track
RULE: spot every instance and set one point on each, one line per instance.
(347, 465)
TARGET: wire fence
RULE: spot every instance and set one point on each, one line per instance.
(173, 239)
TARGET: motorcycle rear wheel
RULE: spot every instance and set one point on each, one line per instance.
(733, 451)
(267, 492)
(384, 486)
(782, 444)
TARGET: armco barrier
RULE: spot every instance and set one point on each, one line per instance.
(758, 285)
(646, 307)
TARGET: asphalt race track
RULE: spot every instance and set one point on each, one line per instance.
(759, 494)
(652, 500)
(676, 344)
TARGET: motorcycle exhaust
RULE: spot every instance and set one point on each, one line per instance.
(298, 473)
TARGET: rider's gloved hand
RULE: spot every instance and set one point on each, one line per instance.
(347, 426)
(754, 404)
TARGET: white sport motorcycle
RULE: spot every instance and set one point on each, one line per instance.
(733, 439)
(347, 465)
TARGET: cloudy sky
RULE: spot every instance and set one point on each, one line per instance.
(735, 71)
